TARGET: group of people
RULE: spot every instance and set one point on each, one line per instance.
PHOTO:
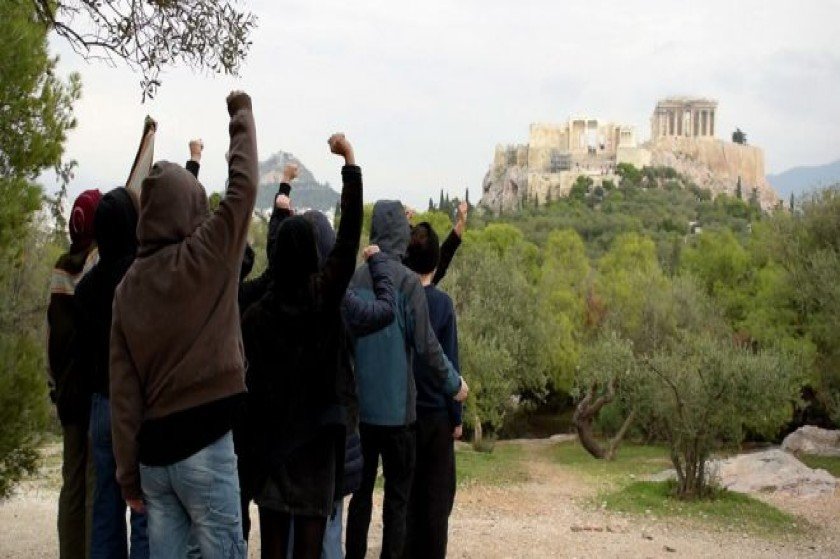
(187, 390)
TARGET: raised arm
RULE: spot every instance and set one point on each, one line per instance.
(282, 205)
(366, 317)
(451, 244)
(194, 162)
(126, 413)
(226, 231)
(341, 262)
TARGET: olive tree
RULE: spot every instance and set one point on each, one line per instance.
(151, 35)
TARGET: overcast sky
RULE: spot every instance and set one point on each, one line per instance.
(425, 90)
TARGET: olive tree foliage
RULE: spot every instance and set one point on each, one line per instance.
(150, 35)
(798, 299)
(564, 278)
(36, 112)
(700, 391)
(495, 304)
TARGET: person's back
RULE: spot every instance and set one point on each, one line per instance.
(116, 237)
(69, 389)
(177, 365)
(438, 417)
(387, 393)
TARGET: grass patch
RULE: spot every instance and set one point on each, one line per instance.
(502, 466)
(727, 509)
(633, 460)
(828, 463)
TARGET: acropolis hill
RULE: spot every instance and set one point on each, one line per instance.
(682, 136)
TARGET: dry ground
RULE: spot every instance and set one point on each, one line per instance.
(553, 515)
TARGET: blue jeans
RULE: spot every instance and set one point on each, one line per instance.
(197, 496)
(332, 537)
(109, 535)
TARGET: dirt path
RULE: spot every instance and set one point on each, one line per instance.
(552, 517)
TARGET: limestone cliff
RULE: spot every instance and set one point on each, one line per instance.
(503, 189)
(716, 165)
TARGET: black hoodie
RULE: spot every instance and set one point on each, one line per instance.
(115, 224)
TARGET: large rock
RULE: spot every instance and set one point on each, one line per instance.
(762, 472)
(771, 471)
(503, 189)
(813, 440)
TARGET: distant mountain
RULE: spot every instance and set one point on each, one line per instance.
(306, 191)
(803, 179)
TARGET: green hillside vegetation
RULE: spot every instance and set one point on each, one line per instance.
(665, 276)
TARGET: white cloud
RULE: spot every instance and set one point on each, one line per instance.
(426, 90)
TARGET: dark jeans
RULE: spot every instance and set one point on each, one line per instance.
(109, 536)
(396, 445)
(433, 490)
(76, 498)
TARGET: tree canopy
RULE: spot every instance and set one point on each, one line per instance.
(150, 36)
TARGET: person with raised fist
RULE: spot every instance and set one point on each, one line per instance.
(176, 362)
(294, 344)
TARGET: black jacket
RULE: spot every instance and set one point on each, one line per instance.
(294, 338)
(115, 223)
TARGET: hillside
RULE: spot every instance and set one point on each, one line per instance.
(799, 180)
(307, 192)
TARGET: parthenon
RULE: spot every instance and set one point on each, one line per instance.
(690, 117)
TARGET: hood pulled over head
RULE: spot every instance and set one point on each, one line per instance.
(324, 234)
(115, 226)
(172, 205)
(389, 228)
(294, 258)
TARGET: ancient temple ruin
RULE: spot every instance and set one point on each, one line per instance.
(689, 117)
(682, 137)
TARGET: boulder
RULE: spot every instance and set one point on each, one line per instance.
(813, 440)
(771, 471)
(768, 471)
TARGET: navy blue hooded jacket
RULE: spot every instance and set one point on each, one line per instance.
(384, 360)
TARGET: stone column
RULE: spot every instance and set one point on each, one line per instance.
(705, 122)
(711, 124)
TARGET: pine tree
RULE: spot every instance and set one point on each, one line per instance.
(431, 204)
(440, 203)
(738, 192)
(467, 198)
(792, 201)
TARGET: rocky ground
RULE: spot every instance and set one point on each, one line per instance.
(556, 516)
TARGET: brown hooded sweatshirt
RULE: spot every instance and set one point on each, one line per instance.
(176, 343)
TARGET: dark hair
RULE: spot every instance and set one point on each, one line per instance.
(423, 251)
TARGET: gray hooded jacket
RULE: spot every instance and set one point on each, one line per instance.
(387, 393)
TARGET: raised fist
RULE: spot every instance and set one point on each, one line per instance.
(196, 147)
(238, 100)
(463, 209)
(290, 172)
(283, 202)
(369, 251)
(339, 145)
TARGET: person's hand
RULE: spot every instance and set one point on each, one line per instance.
(136, 505)
(340, 145)
(237, 100)
(283, 202)
(290, 172)
(196, 147)
(461, 218)
(463, 210)
(369, 251)
(463, 392)
(458, 432)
